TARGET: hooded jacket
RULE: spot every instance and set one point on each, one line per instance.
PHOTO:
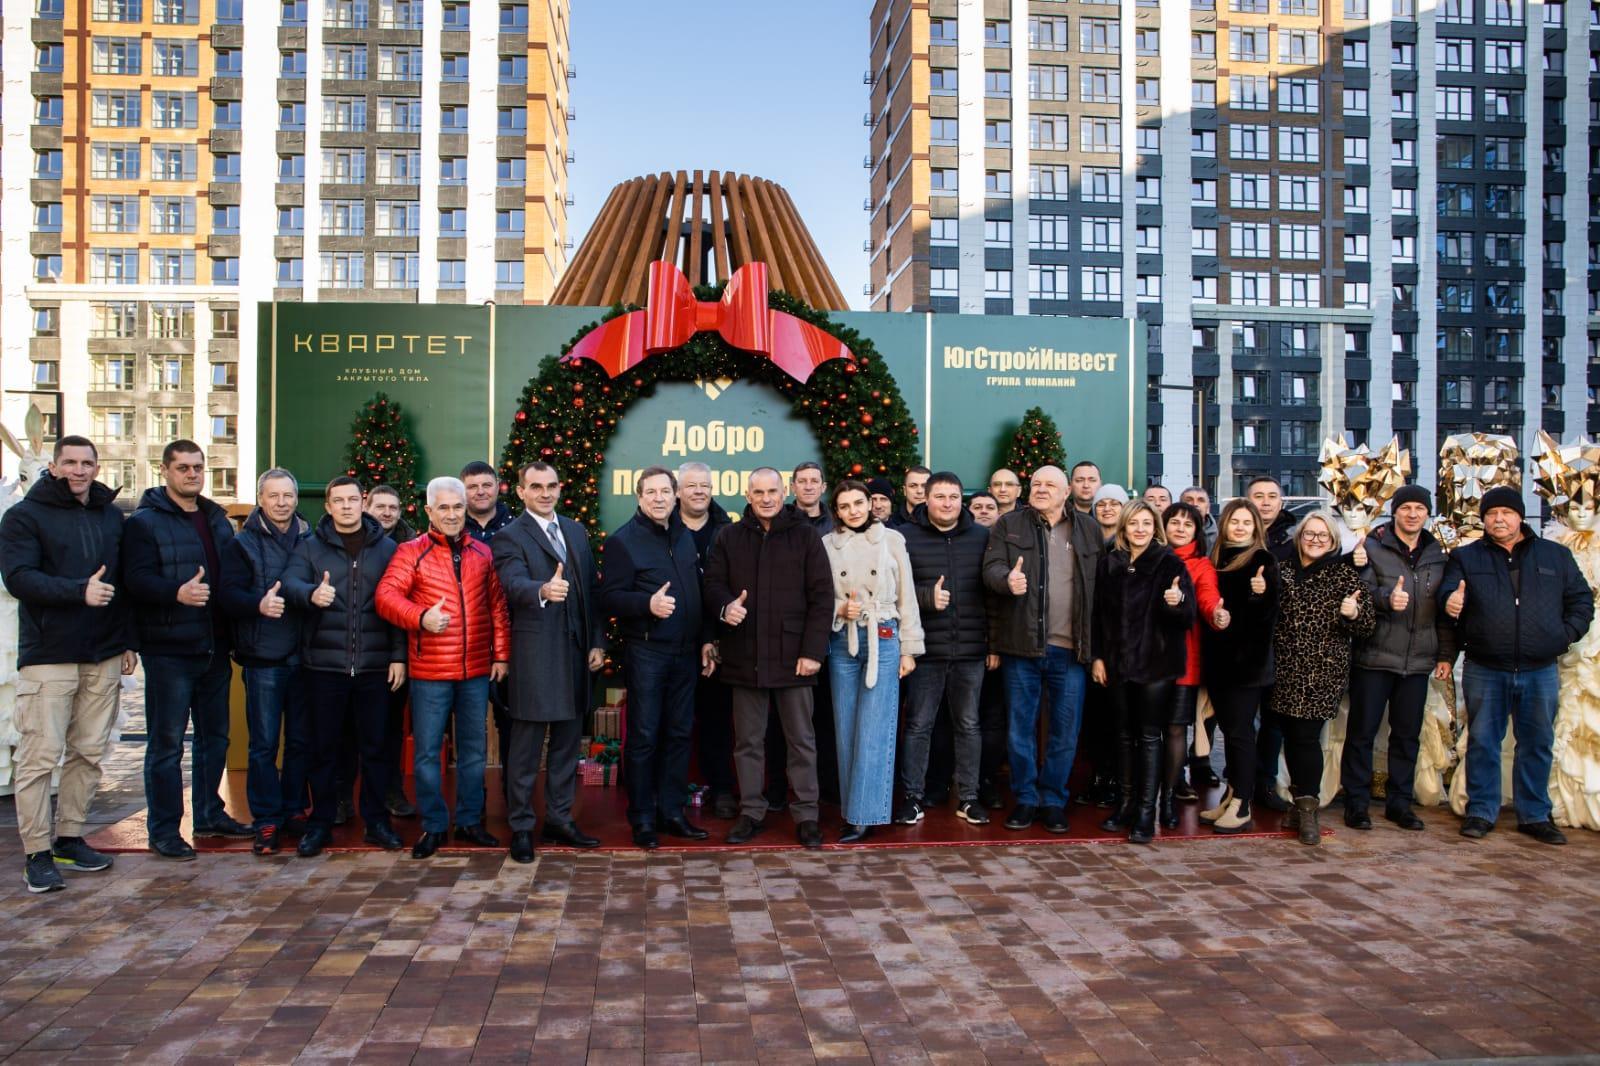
(961, 630)
(1137, 634)
(50, 545)
(1412, 641)
(1241, 655)
(428, 569)
(251, 562)
(160, 553)
(347, 636)
(1019, 625)
(1524, 607)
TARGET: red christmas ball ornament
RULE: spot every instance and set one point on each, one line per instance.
(522, 416)
(1033, 441)
(855, 468)
(876, 394)
(546, 452)
(851, 368)
(883, 442)
(866, 419)
(577, 401)
(577, 386)
(844, 443)
(638, 383)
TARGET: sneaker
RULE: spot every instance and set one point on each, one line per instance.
(266, 842)
(910, 812)
(71, 853)
(1543, 832)
(1476, 828)
(41, 875)
(973, 814)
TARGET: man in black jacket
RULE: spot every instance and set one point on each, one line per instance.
(172, 551)
(350, 658)
(1039, 568)
(704, 518)
(1526, 604)
(59, 555)
(946, 548)
(266, 645)
(1267, 495)
(1401, 565)
(914, 491)
(809, 487)
(651, 585)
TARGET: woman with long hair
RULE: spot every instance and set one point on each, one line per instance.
(1143, 609)
(1236, 653)
(877, 634)
(1325, 607)
(1185, 528)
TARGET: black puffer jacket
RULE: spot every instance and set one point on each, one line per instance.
(961, 630)
(1280, 537)
(639, 558)
(50, 544)
(160, 553)
(336, 638)
(1412, 641)
(1241, 655)
(251, 563)
(1019, 625)
(1137, 634)
(1521, 626)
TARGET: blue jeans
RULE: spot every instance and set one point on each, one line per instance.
(274, 706)
(960, 681)
(1527, 699)
(655, 755)
(432, 704)
(176, 689)
(864, 723)
(1060, 677)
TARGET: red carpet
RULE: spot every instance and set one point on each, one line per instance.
(602, 813)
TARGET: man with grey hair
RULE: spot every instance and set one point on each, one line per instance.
(266, 645)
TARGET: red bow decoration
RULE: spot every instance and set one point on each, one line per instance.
(672, 315)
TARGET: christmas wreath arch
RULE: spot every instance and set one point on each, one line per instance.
(569, 411)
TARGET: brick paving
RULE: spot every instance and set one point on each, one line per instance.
(1375, 946)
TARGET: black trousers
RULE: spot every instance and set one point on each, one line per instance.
(713, 735)
(333, 701)
(1371, 693)
(1302, 750)
(561, 771)
(1141, 711)
(1236, 715)
(394, 740)
(1269, 744)
(1100, 739)
(993, 723)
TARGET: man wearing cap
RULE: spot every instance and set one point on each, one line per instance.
(1401, 565)
(1518, 602)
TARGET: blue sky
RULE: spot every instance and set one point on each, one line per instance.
(760, 87)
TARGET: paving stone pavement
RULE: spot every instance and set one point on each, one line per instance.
(1375, 946)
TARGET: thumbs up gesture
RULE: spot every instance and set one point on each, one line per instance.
(734, 613)
(434, 620)
(1258, 584)
(195, 592)
(97, 593)
(1174, 595)
(661, 604)
(1359, 555)
(323, 595)
(941, 595)
(1220, 618)
(1399, 599)
(1457, 601)
(1350, 606)
(850, 610)
(1017, 581)
(555, 590)
(272, 604)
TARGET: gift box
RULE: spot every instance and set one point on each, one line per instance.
(591, 772)
(608, 722)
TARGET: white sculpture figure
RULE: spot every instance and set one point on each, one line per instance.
(1569, 477)
(30, 467)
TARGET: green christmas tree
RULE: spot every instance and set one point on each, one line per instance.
(1036, 443)
(382, 452)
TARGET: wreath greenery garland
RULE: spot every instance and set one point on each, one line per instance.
(569, 411)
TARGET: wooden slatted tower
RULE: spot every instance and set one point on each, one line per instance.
(708, 223)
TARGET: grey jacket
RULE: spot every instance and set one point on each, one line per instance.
(1414, 640)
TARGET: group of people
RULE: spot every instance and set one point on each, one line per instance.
(858, 611)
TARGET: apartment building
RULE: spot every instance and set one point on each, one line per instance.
(1371, 216)
(175, 162)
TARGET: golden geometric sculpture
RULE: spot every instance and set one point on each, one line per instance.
(709, 224)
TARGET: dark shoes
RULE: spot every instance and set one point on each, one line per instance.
(743, 829)
(40, 873)
(1055, 819)
(1305, 807)
(1476, 828)
(522, 846)
(315, 839)
(909, 812)
(809, 834)
(226, 827)
(477, 836)
(176, 848)
(725, 806)
(989, 796)
(1407, 819)
(382, 836)
(1165, 811)
(683, 829)
(973, 813)
(294, 826)
(398, 805)
(1543, 832)
(1269, 798)
(854, 834)
(266, 842)
(1022, 816)
(644, 836)
(71, 853)
(1358, 819)
(1184, 791)
(427, 844)
(568, 834)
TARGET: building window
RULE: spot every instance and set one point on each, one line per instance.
(997, 233)
(172, 266)
(1102, 185)
(174, 110)
(111, 423)
(1098, 85)
(170, 373)
(1045, 34)
(1048, 83)
(405, 64)
(1050, 182)
(224, 377)
(1249, 92)
(508, 273)
(1250, 240)
(942, 282)
(344, 166)
(224, 322)
(175, 58)
(997, 284)
(1047, 282)
(342, 270)
(942, 231)
(224, 429)
(224, 482)
(225, 271)
(997, 83)
(452, 274)
(174, 162)
(1101, 283)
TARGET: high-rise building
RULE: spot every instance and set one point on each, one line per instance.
(1374, 216)
(174, 162)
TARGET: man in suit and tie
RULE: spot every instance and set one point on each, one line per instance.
(557, 642)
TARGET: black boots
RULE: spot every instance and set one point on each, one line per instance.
(1148, 775)
(1127, 796)
(1166, 812)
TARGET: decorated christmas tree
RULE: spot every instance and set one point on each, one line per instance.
(1036, 443)
(382, 452)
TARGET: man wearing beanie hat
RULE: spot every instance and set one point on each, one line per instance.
(1518, 601)
(1403, 566)
(880, 494)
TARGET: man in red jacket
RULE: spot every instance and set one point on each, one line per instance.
(442, 590)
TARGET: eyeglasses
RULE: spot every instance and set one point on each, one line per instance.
(1316, 538)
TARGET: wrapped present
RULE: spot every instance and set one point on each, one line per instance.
(607, 723)
(697, 795)
(601, 766)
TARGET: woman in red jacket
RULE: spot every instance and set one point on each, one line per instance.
(1186, 537)
(441, 589)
